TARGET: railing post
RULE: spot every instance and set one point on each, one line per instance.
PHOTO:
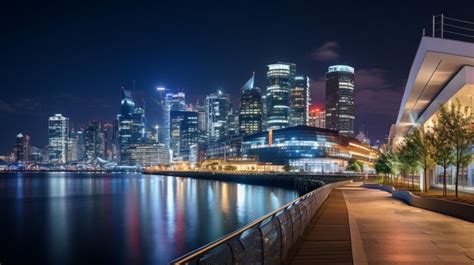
(433, 27)
(442, 25)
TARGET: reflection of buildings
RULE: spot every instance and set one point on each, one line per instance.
(442, 71)
(306, 148)
(340, 81)
(58, 133)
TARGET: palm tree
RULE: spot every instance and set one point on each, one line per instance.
(460, 134)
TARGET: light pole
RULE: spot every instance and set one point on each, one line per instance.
(157, 130)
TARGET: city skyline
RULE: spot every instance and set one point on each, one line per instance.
(92, 92)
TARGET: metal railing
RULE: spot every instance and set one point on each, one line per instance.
(443, 27)
(266, 240)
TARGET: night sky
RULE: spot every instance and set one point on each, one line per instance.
(73, 58)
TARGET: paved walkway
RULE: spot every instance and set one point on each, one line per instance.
(388, 231)
(327, 239)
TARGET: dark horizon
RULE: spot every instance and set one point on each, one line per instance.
(73, 59)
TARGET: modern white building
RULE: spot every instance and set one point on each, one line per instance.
(58, 134)
(442, 71)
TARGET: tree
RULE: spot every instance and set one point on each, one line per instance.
(287, 168)
(407, 153)
(354, 165)
(424, 150)
(382, 166)
(460, 134)
(443, 152)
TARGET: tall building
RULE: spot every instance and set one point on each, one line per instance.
(58, 133)
(279, 80)
(171, 102)
(81, 145)
(317, 118)
(300, 100)
(108, 133)
(94, 141)
(131, 123)
(251, 109)
(72, 146)
(184, 133)
(340, 115)
(22, 148)
(217, 112)
(201, 110)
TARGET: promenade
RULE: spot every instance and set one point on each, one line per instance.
(382, 230)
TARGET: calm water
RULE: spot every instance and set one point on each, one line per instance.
(64, 218)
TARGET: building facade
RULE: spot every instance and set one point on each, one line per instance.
(184, 133)
(307, 149)
(251, 109)
(58, 134)
(217, 112)
(147, 155)
(279, 80)
(22, 148)
(317, 118)
(441, 74)
(171, 102)
(340, 114)
(300, 100)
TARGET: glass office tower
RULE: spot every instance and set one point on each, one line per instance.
(340, 115)
(279, 80)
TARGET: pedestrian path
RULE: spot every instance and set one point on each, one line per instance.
(389, 231)
(327, 239)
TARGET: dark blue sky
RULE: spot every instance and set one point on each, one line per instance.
(72, 58)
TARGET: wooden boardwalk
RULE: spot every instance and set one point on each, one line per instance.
(327, 239)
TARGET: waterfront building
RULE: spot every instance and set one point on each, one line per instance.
(340, 115)
(22, 148)
(233, 123)
(217, 112)
(226, 148)
(317, 118)
(58, 133)
(197, 154)
(108, 133)
(251, 112)
(441, 73)
(184, 133)
(36, 154)
(300, 100)
(147, 155)
(307, 149)
(279, 80)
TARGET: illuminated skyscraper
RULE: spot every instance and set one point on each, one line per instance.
(94, 141)
(251, 112)
(184, 133)
(279, 80)
(217, 112)
(171, 102)
(22, 148)
(340, 80)
(58, 133)
(300, 101)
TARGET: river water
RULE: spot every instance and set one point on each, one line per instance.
(77, 218)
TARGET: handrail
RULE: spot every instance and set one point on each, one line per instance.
(210, 246)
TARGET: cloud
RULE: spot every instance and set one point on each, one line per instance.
(6, 107)
(375, 93)
(327, 52)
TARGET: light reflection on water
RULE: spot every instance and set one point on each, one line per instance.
(59, 218)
